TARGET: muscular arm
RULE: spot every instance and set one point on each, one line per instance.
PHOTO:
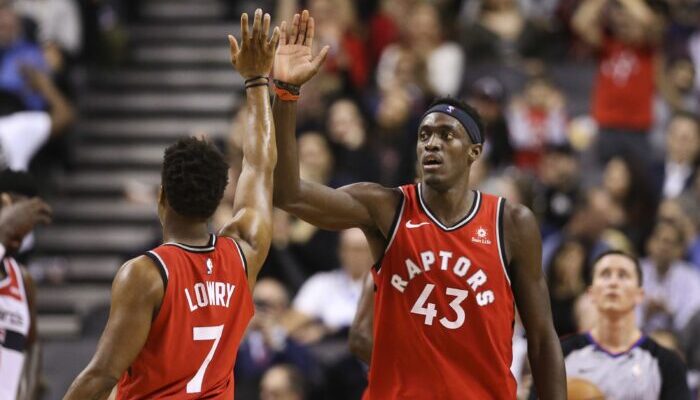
(524, 245)
(361, 331)
(252, 205)
(137, 293)
(586, 22)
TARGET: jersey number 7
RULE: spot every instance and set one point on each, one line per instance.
(204, 333)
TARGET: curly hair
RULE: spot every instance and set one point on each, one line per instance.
(194, 177)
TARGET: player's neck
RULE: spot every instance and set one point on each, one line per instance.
(185, 231)
(450, 205)
(616, 334)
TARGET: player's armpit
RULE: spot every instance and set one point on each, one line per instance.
(252, 230)
(524, 247)
(137, 293)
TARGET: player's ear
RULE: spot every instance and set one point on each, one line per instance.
(161, 196)
(474, 152)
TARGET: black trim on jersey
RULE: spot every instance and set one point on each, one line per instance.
(210, 246)
(502, 239)
(161, 268)
(392, 230)
(245, 261)
(14, 341)
(473, 210)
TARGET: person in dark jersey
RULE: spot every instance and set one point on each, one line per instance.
(615, 355)
(452, 262)
(178, 312)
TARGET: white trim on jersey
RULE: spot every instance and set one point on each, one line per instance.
(162, 263)
(6, 280)
(464, 221)
(211, 246)
(501, 202)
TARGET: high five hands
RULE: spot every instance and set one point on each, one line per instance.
(294, 62)
(255, 55)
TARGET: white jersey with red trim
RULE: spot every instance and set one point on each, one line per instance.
(14, 328)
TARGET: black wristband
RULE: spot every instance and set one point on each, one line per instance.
(293, 89)
(255, 78)
(252, 85)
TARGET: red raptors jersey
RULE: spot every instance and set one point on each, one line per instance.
(444, 311)
(192, 345)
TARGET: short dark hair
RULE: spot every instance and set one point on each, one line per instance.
(462, 105)
(635, 261)
(194, 177)
(693, 117)
(295, 378)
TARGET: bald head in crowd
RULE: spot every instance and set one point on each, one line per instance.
(282, 382)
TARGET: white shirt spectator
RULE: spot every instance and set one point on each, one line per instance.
(21, 135)
(330, 297)
(676, 177)
(680, 290)
(58, 21)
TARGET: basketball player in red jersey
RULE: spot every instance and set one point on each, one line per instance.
(452, 262)
(178, 313)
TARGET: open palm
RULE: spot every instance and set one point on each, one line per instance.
(294, 63)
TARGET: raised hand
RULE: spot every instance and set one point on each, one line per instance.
(256, 53)
(294, 63)
(19, 218)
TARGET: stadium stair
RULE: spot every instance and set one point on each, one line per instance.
(177, 82)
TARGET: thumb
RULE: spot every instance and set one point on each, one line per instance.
(320, 58)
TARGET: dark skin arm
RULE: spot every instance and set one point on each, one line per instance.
(251, 225)
(368, 206)
(137, 293)
(524, 249)
(18, 218)
(361, 331)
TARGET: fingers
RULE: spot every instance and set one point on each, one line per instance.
(303, 26)
(245, 35)
(274, 41)
(257, 24)
(310, 28)
(266, 27)
(283, 33)
(295, 29)
(320, 58)
(234, 45)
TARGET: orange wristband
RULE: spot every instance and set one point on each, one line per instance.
(285, 95)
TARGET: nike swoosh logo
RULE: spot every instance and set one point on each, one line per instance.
(409, 225)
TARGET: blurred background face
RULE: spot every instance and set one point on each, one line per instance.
(270, 298)
(682, 75)
(275, 385)
(315, 159)
(345, 124)
(665, 246)
(424, 27)
(616, 178)
(355, 255)
(682, 140)
(558, 169)
(615, 286)
(625, 26)
(9, 25)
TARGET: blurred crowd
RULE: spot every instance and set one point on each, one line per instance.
(591, 110)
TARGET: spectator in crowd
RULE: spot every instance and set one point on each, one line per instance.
(282, 382)
(488, 96)
(267, 342)
(678, 169)
(626, 34)
(566, 282)
(559, 180)
(627, 183)
(347, 131)
(536, 118)
(315, 249)
(327, 302)
(15, 54)
(677, 95)
(22, 134)
(615, 355)
(671, 286)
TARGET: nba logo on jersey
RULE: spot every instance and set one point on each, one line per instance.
(210, 266)
(481, 236)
